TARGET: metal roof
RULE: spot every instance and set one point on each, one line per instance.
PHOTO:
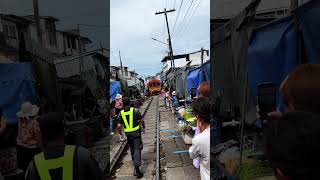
(72, 67)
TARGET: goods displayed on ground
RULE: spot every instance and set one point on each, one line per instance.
(187, 123)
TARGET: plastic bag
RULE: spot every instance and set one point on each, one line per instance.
(231, 159)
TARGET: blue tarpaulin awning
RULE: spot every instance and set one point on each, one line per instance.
(206, 69)
(194, 79)
(17, 85)
(308, 16)
(272, 55)
(115, 88)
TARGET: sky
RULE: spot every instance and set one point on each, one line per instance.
(134, 24)
(70, 13)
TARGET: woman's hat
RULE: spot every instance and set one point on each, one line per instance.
(174, 93)
(119, 96)
(28, 110)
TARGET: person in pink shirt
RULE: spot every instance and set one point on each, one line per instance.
(29, 139)
(119, 103)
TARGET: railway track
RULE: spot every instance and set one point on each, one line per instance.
(121, 163)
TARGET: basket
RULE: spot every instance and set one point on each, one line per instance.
(187, 138)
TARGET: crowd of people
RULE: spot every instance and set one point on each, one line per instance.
(40, 150)
(202, 109)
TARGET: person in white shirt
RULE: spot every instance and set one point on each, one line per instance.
(201, 143)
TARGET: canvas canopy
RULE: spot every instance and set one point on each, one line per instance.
(308, 17)
(272, 55)
(115, 88)
(17, 85)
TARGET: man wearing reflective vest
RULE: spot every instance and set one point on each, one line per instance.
(59, 161)
(131, 121)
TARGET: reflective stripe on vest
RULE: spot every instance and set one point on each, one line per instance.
(129, 126)
(66, 162)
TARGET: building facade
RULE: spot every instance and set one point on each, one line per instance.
(59, 43)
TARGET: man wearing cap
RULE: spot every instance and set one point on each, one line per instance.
(59, 161)
(131, 121)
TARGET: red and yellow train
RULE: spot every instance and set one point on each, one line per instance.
(154, 87)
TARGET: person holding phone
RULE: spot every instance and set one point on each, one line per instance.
(300, 91)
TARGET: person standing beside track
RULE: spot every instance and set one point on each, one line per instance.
(200, 148)
(119, 103)
(131, 121)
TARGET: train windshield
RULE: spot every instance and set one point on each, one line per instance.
(155, 84)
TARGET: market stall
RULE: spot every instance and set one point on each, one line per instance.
(268, 54)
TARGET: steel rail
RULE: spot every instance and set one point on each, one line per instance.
(158, 143)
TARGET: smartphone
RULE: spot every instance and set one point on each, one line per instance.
(193, 92)
(266, 99)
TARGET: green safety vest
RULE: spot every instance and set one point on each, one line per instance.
(66, 162)
(129, 126)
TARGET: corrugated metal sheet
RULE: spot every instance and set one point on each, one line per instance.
(72, 67)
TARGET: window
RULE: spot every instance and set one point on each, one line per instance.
(52, 38)
(280, 12)
(51, 29)
(69, 44)
(73, 43)
(10, 31)
(6, 30)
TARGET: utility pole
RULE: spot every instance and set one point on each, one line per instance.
(80, 47)
(37, 18)
(121, 68)
(101, 46)
(170, 44)
(201, 56)
(202, 70)
(294, 4)
(80, 63)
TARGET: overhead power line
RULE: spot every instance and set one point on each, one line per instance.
(174, 4)
(175, 23)
(181, 23)
(187, 25)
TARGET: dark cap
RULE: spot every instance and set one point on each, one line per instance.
(202, 107)
(126, 101)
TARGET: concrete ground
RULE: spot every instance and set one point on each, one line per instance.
(176, 166)
(149, 148)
